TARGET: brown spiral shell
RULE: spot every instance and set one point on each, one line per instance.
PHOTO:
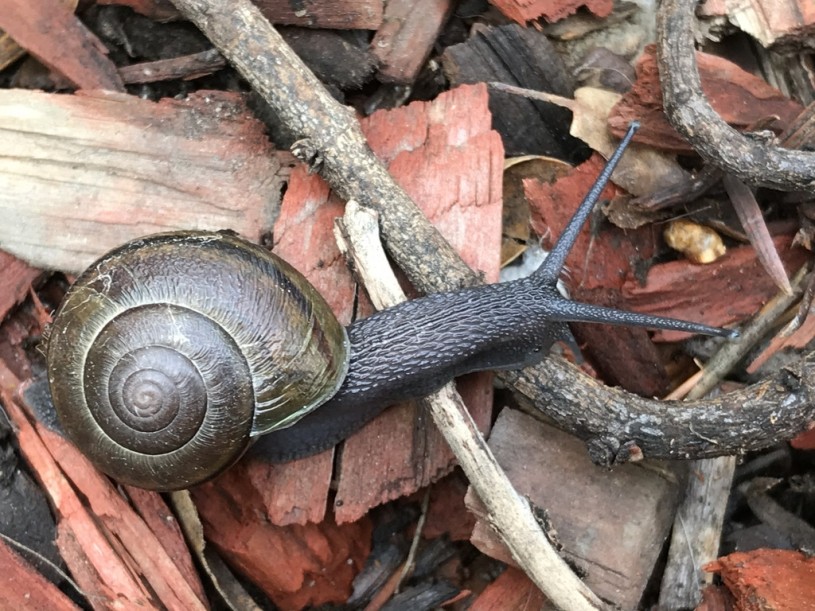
(169, 354)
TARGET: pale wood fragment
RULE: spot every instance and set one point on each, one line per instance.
(83, 174)
(785, 23)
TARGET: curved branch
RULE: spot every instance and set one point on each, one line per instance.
(690, 113)
(617, 424)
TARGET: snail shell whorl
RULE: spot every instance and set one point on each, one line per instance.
(171, 352)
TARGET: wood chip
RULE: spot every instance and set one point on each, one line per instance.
(22, 587)
(15, 278)
(612, 524)
(768, 579)
(50, 30)
(740, 98)
(551, 10)
(90, 172)
(406, 37)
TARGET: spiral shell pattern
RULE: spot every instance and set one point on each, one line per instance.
(170, 353)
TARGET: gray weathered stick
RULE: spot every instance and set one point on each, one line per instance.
(510, 514)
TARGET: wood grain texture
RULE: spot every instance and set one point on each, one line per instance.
(612, 524)
(406, 37)
(15, 278)
(551, 10)
(50, 30)
(89, 172)
(740, 98)
(22, 587)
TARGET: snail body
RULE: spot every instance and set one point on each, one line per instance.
(172, 354)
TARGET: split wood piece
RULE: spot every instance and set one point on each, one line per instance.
(49, 30)
(22, 587)
(524, 57)
(162, 523)
(296, 565)
(90, 172)
(509, 514)
(786, 27)
(690, 113)
(155, 554)
(732, 288)
(768, 579)
(15, 279)
(186, 67)
(598, 266)
(406, 37)
(612, 421)
(697, 531)
(111, 553)
(741, 99)
(528, 10)
(511, 590)
(446, 156)
(335, 15)
(612, 525)
(10, 51)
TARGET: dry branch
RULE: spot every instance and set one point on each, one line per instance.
(690, 113)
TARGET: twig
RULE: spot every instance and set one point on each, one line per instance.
(698, 522)
(508, 512)
(410, 562)
(692, 115)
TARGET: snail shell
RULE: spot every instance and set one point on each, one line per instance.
(169, 354)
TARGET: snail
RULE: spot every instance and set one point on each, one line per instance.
(170, 355)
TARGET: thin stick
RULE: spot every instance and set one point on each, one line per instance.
(509, 513)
